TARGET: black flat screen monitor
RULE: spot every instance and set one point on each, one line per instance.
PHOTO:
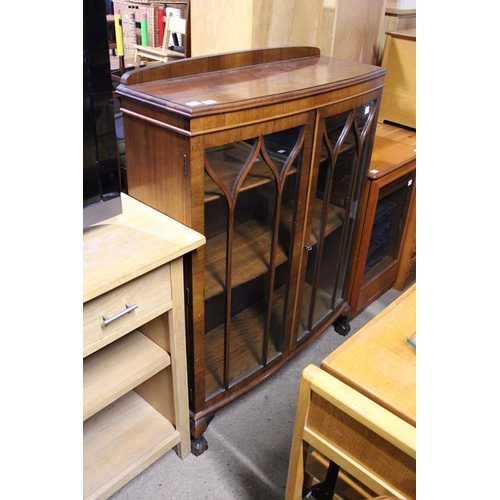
(101, 167)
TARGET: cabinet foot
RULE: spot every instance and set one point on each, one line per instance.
(341, 326)
(198, 446)
(198, 442)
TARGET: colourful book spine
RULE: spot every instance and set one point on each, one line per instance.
(161, 25)
(119, 34)
(144, 29)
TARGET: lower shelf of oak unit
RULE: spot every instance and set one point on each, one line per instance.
(117, 368)
(121, 441)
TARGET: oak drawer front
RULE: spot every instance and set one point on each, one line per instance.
(133, 304)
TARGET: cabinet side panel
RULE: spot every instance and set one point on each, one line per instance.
(407, 268)
(157, 168)
(366, 215)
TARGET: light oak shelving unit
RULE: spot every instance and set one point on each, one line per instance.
(135, 402)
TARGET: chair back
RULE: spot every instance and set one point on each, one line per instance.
(173, 24)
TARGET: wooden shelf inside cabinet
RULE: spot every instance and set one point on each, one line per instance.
(227, 161)
(246, 343)
(248, 256)
(333, 221)
(249, 240)
(135, 402)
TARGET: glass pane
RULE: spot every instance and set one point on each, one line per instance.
(388, 225)
(254, 216)
(249, 187)
(335, 198)
(342, 199)
(216, 224)
(363, 120)
(364, 114)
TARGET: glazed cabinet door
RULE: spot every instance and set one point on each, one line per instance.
(253, 220)
(343, 144)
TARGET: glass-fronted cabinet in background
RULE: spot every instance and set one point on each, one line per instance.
(264, 152)
(384, 218)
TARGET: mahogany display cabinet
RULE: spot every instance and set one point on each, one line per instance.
(386, 217)
(265, 152)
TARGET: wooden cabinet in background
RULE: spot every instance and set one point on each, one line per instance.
(264, 152)
(135, 401)
(386, 218)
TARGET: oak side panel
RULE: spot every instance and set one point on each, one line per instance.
(220, 26)
(341, 28)
(357, 29)
(399, 99)
(281, 23)
(176, 407)
(394, 20)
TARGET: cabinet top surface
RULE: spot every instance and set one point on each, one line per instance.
(389, 377)
(130, 245)
(389, 155)
(203, 85)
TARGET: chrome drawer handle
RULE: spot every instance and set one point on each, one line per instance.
(128, 308)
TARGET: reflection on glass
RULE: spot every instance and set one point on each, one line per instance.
(388, 225)
(250, 189)
(337, 194)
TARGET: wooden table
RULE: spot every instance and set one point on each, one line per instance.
(379, 362)
(358, 412)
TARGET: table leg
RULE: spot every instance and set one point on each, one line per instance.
(326, 489)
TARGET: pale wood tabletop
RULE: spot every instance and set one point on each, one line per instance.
(379, 362)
